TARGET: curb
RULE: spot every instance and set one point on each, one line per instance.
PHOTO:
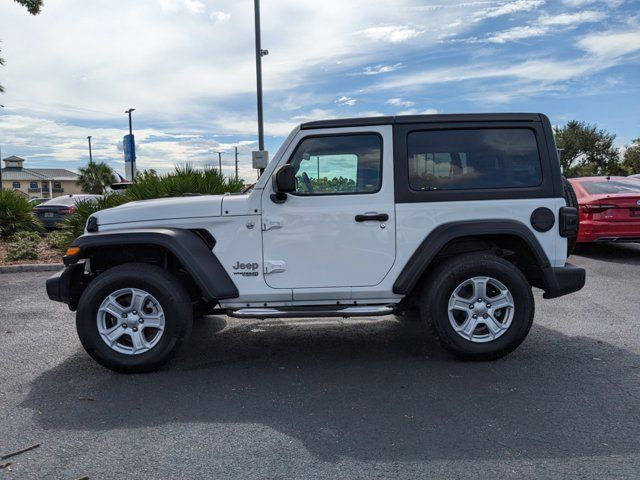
(31, 267)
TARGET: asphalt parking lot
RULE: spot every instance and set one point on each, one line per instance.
(332, 399)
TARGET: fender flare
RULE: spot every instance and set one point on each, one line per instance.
(443, 234)
(188, 248)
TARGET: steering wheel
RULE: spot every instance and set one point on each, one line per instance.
(307, 182)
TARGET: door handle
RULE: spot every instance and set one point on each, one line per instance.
(372, 217)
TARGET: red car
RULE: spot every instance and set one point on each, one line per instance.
(609, 209)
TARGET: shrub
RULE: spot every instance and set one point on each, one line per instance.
(148, 185)
(184, 179)
(16, 214)
(25, 236)
(58, 240)
(22, 249)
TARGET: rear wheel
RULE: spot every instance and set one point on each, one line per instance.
(133, 318)
(572, 201)
(480, 306)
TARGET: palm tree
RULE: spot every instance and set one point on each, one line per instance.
(95, 177)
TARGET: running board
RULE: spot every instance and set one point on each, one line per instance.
(312, 312)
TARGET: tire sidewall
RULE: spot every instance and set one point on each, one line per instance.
(167, 292)
(505, 273)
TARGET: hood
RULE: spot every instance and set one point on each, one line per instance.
(162, 209)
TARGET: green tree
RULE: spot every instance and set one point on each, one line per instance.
(34, 7)
(336, 184)
(96, 177)
(587, 150)
(631, 159)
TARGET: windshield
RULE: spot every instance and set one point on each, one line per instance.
(612, 187)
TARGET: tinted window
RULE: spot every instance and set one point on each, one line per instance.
(612, 186)
(338, 164)
(473, 159)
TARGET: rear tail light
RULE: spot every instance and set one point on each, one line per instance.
(597, 208)
(67, 211)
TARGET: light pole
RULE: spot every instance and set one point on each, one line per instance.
(90, 154)
(236, 163)
(259, 54)
(219, 162)
(130, 124)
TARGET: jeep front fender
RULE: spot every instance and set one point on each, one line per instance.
(185, 245)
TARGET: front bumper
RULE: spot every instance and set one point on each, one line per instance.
(66, 285)
(563, 280)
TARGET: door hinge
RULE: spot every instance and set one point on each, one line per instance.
(268, 224)
(274, 266)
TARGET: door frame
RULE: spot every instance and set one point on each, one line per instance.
(387, 189)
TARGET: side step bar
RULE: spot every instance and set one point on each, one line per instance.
(312, 312)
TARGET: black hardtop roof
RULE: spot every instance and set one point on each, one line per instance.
(438, 118)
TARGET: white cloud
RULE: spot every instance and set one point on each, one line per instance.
(180, 66)
(611, 44)
(192, 6)
(378, 69)
(582, 3)
(516, 33)
(565, 19)
(399, 102)
(414, 111)
(546, 71)
(508, 8)
(392, 33)
(346, 101)
(315, 114)
(219, 17)
(578, 3)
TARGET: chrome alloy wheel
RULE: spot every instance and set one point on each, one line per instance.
(481, 309)
(130, 321)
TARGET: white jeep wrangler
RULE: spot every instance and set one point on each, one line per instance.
(457, 216)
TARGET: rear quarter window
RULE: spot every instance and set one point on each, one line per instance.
(465, 159)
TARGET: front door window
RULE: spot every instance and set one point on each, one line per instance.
(338, 164)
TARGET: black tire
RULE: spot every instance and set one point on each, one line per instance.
(572, 201)
(443, 281)
(171, 295)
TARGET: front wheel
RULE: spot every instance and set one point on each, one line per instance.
(133, 318)
(480, 306)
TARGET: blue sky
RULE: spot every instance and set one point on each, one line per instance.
(188, 68)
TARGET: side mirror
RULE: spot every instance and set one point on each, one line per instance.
(284, 181)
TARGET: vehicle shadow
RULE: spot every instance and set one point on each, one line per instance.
(367, 390)
(622, 253)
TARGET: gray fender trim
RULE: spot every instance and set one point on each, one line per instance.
(439, 237)
(190, 250)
